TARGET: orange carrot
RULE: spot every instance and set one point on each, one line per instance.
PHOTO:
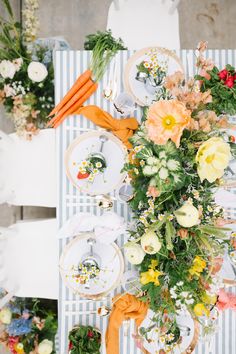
(82, 79)
(77, 104)
(82, 91)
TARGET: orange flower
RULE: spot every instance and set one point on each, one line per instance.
(167, 120)
(182, 233)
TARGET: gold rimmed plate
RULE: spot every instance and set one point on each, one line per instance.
(137, 88)
(110, 262)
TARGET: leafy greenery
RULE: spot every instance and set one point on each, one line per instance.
(84, 340)
(223, 97)
(104, 47)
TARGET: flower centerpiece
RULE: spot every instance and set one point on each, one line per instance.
(27, 327)
(84, 339)
(26, 71)
(179, 157)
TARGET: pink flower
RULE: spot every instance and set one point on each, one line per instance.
(223, 74)
(9, 91)
(153, 192)
(230, 82)
(226, 301)
(205, 74)
(202, 46)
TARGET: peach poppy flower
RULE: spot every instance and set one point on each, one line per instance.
(167, 120)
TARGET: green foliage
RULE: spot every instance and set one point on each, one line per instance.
(85, 340)
(223, 97)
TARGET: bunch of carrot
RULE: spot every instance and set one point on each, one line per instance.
(82, 89)
(104, 47)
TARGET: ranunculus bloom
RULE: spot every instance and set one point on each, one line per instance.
(37, 72)
(45, 347)
(230, 82)
(134, 253)
(150, 242)
(167, 120)
(187, 215)
(223, 74)
(212, 157)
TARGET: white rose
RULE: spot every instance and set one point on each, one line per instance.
(5, 315)
(187, 215)
(7, 69)
(45, 347)
(150, 242)
(134, 253)
(37, 72)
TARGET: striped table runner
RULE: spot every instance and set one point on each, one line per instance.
(68, 65)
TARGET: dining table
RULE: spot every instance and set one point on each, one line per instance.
(72, 309)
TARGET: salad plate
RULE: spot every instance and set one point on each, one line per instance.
(94, 161)
(90, 268)
(152, 341)
(146, 70)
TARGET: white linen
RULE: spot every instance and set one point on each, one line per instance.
(106, 227)
(29, 259)
(225, 198)
(28, 169)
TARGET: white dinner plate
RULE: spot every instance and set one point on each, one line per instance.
(188, 342)
(114, 153)
(111, 265)
(136, 88)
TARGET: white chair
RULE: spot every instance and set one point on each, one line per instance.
(144, 23)
(29, 260)
(28, 169)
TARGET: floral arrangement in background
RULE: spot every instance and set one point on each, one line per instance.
(179, 157)
(221, 83)
(26, 71)
(84, 339)
(28, 327)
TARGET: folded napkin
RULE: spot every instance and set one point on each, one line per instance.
(106, 227)
(122, 128)
(125, 307)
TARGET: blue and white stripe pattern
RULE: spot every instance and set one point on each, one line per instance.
(69, 64)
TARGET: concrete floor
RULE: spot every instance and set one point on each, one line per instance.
(211, 20)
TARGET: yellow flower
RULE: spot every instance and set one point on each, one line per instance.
(200, 310)
(154, 264)
(209, 299)
(212, 157)
(19, 348)
(198, 266)
(151, 276)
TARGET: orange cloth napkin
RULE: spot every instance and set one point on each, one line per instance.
(126, 307)
(122, 128)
